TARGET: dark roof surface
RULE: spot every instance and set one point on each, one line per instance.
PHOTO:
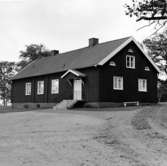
(80, 58)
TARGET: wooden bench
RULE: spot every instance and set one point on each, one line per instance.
(131, 102)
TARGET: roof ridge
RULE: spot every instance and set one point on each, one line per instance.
(93, 46)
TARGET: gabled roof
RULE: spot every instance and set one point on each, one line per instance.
(80, 58)
(102, 62)
(75, 72)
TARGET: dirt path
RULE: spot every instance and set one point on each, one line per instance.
(137, 147)
(78, 139)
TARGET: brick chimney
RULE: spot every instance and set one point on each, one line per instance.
(93, 42)
(54, 52)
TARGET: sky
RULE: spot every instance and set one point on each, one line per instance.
(62, 25)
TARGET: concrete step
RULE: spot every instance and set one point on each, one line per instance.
(65, 104)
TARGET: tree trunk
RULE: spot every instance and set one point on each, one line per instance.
(4, 102)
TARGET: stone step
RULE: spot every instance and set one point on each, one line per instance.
(65, 104)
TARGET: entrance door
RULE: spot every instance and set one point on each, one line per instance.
(77, 90)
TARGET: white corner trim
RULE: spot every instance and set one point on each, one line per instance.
(69, 71)
(107, 58)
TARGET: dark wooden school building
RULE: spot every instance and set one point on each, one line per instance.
(101, 74)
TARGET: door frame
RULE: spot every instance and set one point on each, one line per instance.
(77, 89)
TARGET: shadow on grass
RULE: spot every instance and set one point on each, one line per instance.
(9, 109)
(128, 108)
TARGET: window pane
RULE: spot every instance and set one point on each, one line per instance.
(130, 61)
(118, 83)
(40, 87)
(55, 86)
(127, 61)
(133, 62)
(28, 88)
(142, 85)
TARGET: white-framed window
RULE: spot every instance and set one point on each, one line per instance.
(40, 87)
(130, 61)
(112, 63)
(118, 83)
(28, 88)
(130, 50)
(55, 86)
(142, 85)
(147, 68)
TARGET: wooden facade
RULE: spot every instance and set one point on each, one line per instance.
(90, 88)
(131, 76)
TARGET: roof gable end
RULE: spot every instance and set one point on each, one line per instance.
(118, 49)
(75, 72)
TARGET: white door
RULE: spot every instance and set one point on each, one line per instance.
(77, 90)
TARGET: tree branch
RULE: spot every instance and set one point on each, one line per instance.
(146, 25)
(152, 18)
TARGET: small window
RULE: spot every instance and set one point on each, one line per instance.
(112, 63)
(40, 87)
(28, 88)
(142, 85)
(118, 83)
(147, 68)
(130, 61)
(55, 86)
(130, 50)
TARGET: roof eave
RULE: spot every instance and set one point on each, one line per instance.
(16, 76)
